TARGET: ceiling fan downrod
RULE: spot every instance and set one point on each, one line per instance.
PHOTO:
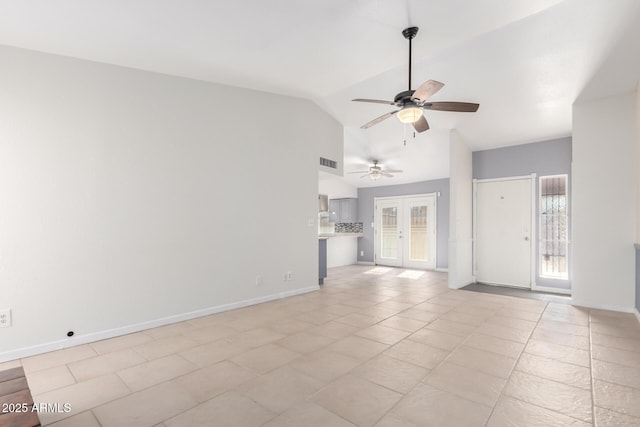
(409, 34)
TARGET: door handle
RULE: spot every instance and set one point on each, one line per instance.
(526, 238)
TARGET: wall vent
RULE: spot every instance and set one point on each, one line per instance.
(328, 163)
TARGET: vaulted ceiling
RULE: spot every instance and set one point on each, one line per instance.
(524, 61)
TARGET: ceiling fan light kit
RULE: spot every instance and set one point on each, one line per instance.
(412, 102)
(409, 114)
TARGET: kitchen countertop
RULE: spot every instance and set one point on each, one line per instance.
(328, 235)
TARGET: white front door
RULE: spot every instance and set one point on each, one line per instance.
(503, 232)
(406, 231)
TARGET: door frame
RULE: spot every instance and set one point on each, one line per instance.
(533, 232)
(376, 219)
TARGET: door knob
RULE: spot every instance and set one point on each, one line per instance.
(526, 238)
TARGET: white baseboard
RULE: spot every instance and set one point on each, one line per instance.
(124, 330)
(551, 290)
(637, 313)
(463, 283)
(602, 306)
(442, 270)
(365, 263)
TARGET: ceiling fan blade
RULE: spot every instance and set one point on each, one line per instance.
(375, 101)
(393, 170)
(421, 124)
(378, 120)
(359, 172)
(387, 174)
(427, 89)
(463, 107)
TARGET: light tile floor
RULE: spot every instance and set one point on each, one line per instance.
(374, 347)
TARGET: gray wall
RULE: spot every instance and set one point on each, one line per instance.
(551, 157)
(366, 211)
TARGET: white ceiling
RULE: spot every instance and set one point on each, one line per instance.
(524, 61)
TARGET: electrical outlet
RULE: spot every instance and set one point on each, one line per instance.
(258, 280)
(5, 317)
(361, 253)
(311, 223)
(288, 276)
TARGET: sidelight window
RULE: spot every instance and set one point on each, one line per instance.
(554, 227)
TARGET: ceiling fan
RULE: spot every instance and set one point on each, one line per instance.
(412, 102)
(376, 172)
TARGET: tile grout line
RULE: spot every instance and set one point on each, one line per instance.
(493, 408)
(591, 359)
(438, 317)
(560, 382)
(393, 345)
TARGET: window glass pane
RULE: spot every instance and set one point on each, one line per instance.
(554, 230)
(419, 228)
(389, 232)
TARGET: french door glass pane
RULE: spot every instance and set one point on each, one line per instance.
(419, 228)
(389, 232)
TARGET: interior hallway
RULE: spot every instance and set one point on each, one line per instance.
(375, 346)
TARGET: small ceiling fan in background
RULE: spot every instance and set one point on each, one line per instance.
(376, 172)
(412, 102)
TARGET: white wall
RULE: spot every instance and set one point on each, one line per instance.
(604, 204)
(336, 187)
(460, 213)
(637, 290)
(128, 197)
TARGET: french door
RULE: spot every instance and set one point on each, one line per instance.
(405, 231)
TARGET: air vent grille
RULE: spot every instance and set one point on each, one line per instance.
(328, 163)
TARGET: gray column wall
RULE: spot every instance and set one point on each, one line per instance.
(551, 157)
(366, 211)
(638, 277)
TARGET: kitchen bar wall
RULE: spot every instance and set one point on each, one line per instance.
(131, 199)
(366, 213)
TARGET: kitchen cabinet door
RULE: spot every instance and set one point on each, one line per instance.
(334, 210)
(343, 210)
(348, 210)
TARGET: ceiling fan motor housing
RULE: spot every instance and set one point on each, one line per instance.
(403, 97)
(410, 32)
